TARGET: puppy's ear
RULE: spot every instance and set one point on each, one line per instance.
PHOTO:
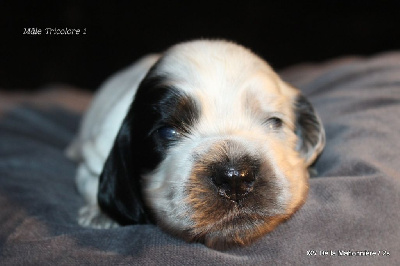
(309, 130)
(119, 194)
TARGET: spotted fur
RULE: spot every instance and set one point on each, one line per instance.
(200, 109)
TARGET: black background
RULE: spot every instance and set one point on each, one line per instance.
(283, 32)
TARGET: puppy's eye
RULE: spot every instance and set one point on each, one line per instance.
(168, 133)
(274, 123)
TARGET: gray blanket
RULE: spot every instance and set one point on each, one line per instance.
(351, 217)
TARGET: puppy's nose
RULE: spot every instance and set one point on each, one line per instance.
(234, 183)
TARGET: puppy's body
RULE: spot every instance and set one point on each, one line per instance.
(214, 148)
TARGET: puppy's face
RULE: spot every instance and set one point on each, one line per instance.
(217, 147)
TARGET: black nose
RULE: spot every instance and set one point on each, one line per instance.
(234, 182)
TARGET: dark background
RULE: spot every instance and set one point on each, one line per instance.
(283, 32)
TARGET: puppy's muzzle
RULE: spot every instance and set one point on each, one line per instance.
(234, 180)
(231, 169)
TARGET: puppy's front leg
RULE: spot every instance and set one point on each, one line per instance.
(91, 216)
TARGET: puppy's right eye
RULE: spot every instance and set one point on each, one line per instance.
(274, 123)
(168, 133)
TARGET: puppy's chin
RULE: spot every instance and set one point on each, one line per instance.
(237, 228)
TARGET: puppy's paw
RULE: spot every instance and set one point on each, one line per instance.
(92, 216)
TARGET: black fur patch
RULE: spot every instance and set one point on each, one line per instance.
(308, 127)
(137, 150)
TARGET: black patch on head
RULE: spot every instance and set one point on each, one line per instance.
(309, 129)
(158, 106)
(139, 148)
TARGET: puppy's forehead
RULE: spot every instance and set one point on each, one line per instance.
(207, 65)
(224, 76)
(217, 66)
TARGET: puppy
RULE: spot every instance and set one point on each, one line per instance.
(204, 140)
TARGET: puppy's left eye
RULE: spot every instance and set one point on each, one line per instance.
(274, 123)
(168, 133)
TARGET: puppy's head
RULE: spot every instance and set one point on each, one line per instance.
(215, 147)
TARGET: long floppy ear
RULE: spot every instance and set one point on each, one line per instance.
(120, 185)
(309, 130)
(120, 193)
